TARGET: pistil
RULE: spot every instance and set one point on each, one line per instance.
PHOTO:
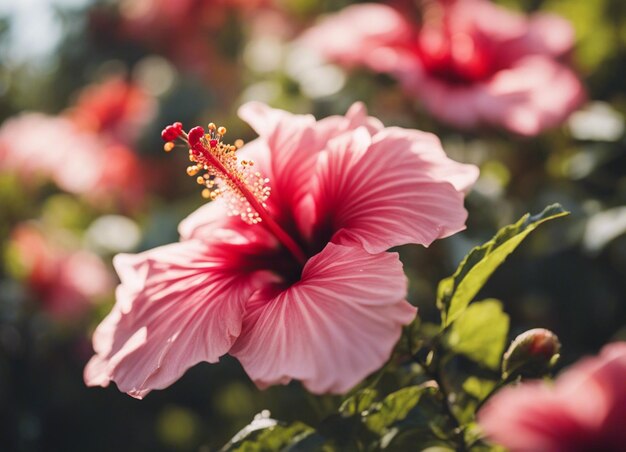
(246, 191)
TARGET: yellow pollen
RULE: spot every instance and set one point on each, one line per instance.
(167, 147)
(224, 175)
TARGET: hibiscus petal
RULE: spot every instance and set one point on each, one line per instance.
(291, 144)
(548, 34)
(356, 116)
(348, 36)
(381, 192)
(212, 224)
(261, 117)
(530, 418)
(330, 330)
(177, 305)
(535, 94)
(202, 222)
(437, 164)
(594, 391)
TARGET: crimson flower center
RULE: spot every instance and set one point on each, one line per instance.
(456, 57)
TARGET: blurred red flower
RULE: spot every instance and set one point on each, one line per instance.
(67, 281)
(469, 61)
(114, 108)
(585, 410)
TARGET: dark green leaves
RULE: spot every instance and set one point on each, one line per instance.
(458, 363)
(456, 292)
(359, 402)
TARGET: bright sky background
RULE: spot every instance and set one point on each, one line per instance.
(35, 29)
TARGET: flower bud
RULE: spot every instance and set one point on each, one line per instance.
(532, 354)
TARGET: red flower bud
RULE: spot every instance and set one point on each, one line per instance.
(531, 354)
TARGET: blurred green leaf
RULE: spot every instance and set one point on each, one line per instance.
(480, 333)
(178, 427)
(478, 388)
(456, 292)
(594, 33)
(358, 402)
(397, 406)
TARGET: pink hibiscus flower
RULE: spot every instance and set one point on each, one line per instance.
(67, 281)
(296, 284)
(585, 410)
(470, 62)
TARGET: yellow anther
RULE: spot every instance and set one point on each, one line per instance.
(238, 143)
(207, 136)
(206, 193)
(200, 180)
(211, 126)
(192, 170)
(167, 147)
(221, 130)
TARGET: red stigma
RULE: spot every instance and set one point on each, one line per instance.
(194, 135)
(171, 132)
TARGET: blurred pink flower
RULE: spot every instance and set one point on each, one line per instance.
(39, 147)
(470, 62)
(313, 295)
(67, 282)
(585, 410)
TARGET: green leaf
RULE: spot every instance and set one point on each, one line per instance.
(480, 333)
(456, 292)
(397, 406)
(265, 434)
(478, 387)
(358, 402)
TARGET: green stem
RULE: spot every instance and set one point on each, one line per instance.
(434, 373)
(495, 389)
